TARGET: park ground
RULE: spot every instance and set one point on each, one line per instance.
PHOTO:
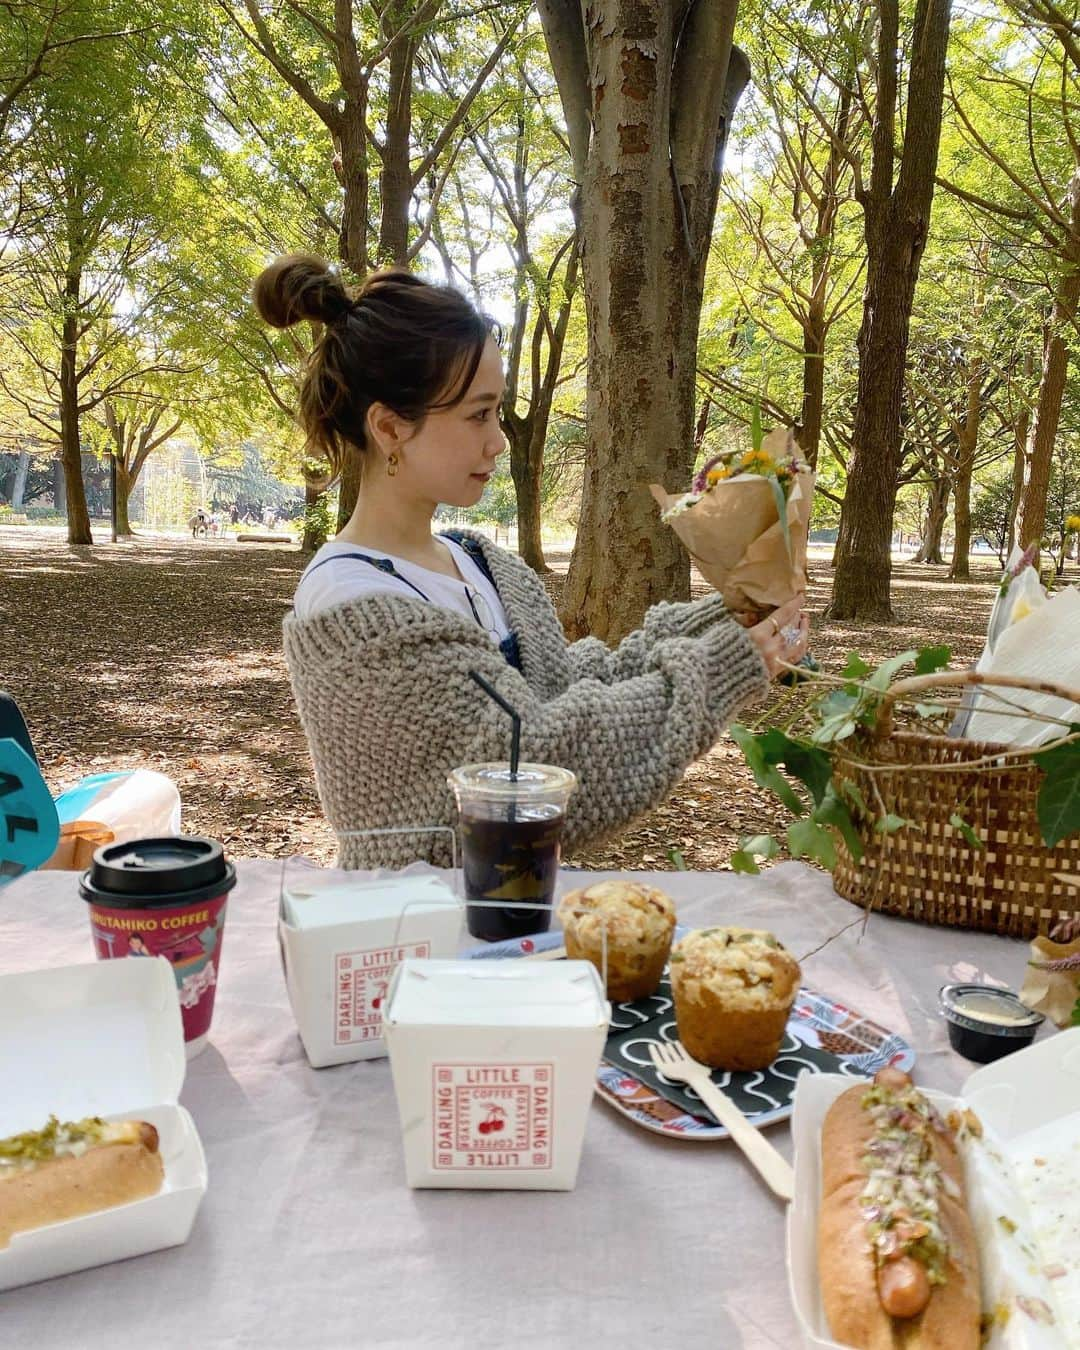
(166, 653)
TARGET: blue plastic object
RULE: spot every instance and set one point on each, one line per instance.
(29, 825)
(73, 804)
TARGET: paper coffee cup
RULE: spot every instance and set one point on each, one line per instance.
(165, 897)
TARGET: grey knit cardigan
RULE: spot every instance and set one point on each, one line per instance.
(382, 684)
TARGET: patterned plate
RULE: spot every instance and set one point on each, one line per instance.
(823, 1036)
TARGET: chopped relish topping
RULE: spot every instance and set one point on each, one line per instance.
(56, 1139)
(900, 1199)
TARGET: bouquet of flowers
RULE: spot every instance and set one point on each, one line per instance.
(1052, 985)
(745, 521)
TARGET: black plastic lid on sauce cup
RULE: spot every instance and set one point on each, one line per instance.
(158, 873)
(986, 1021)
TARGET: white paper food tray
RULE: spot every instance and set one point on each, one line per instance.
(99, 1040)
(1014, 1096)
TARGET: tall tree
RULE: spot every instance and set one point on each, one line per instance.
(647, 90)
(36, 37)
(354, 67)
(803, 126)
(1032, 78)
(137, 423)
(518, 169)
(896, 202)
(97, 174)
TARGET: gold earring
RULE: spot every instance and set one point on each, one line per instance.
(391, 465)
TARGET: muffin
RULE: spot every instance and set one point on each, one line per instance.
(733, 989)
(639, 921)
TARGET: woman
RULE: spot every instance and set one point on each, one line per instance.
(390, 619)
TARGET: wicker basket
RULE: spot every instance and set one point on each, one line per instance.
(1015, 885)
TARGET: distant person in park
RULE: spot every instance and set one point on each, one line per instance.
(390, 618)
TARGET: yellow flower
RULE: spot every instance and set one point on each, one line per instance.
(1072, 524)
(758, 459)
(717, 476)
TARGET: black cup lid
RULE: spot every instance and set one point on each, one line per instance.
(173, 870)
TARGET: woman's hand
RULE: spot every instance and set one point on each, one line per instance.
(783, 637)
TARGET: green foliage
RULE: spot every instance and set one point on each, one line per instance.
(317, 523)
(1059, 795)
(930, 659)
(957, 821)
(796, 764)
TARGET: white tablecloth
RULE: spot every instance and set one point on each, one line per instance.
(309, 1237)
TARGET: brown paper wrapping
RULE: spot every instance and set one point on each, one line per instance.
(1053, 992)
(734, 536)
(78, 841)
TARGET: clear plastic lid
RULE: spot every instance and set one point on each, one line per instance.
(494, 782)
(988, 1008)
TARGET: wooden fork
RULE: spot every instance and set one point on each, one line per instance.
(672, 1061)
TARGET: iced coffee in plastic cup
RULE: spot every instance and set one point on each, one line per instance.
(511, 835)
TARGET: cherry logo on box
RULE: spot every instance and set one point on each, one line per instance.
(494, 1121)
(382, 987)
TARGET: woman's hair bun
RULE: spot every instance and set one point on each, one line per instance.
(300, 286)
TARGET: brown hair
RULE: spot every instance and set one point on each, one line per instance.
(396, 339)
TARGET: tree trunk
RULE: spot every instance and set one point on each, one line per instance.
(897, 220)
(348, 490)
(658, 94)
(353, 152)
(1032, 515)
(395, 181)
(315, 484)
(815, 325)
(526, 466)
(124, 484)
(863, 551)
(967, 443)
(18, 490)
(937, 511)
(1019, 468)
(813, 399)
(78, 516)
(702, 426)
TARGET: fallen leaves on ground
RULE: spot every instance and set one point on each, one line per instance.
(166, 653)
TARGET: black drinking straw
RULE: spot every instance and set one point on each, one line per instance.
(515, 719)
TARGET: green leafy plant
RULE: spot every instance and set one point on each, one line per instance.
(317, 523)
(797, 760)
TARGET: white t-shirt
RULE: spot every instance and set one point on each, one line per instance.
(333, 578)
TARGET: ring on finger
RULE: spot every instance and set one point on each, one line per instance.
(775, 625)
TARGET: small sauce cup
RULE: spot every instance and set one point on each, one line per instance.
(986, 1022)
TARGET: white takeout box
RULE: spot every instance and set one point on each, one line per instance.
(99, 1040)
(1013, 1096)
(340, 944)
(494, 1066)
